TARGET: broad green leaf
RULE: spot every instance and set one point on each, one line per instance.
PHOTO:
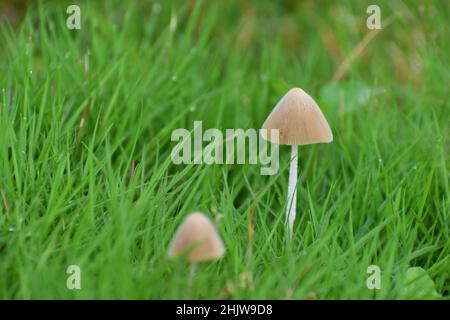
(417, 284)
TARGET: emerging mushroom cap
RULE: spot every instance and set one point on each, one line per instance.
(197, 237)
(298, 119)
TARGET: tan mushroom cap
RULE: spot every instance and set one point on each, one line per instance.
(298, 119)
(198, 237)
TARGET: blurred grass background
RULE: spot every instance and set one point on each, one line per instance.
(85, 127)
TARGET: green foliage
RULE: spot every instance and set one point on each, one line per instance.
(417, 284)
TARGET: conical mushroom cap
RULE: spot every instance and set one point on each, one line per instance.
(198, 237)
(298, 119)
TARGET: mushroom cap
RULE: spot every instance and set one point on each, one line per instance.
(198, 237)
(298, 119)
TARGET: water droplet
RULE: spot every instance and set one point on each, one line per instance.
(156, 8)
(12, 229)
(174, 78)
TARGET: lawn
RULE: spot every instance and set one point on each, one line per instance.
(86, 176)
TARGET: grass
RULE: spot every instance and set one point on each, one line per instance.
(71, 132)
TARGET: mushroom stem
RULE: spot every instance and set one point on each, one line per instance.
(193, 268)
(292, 191)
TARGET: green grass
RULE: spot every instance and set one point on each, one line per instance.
(379, 194)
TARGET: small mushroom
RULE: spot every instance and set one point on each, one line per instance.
(198, 239)
(300, 122)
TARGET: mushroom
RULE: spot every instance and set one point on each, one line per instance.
(198, 239)
(300, 122)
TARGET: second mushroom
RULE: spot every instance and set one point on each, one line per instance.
(299, 121)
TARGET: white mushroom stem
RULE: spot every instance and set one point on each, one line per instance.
(292, 191)
(192, 271)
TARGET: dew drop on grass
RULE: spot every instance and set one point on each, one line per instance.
(192, 108)
(156, 8)
(12, 229)
(174, 78)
